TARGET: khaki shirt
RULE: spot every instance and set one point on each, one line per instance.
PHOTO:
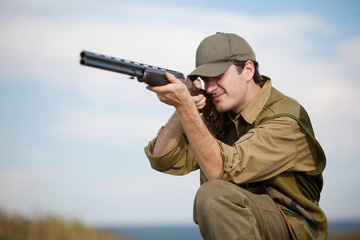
(249, 154)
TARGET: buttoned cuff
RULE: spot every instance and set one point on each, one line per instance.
(165, 161)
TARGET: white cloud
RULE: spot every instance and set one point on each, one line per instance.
(351, 48)
(21, 187)
(117, 128)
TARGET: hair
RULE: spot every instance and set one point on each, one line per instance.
(256, 77)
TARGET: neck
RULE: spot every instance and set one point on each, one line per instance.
(253, 90)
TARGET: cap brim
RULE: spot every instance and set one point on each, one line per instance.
(210, 70)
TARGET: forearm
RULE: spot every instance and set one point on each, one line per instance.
(188, 120)
(205, 147)
(169, 136)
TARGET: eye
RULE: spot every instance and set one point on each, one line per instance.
(219, 77)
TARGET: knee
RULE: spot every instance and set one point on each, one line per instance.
(208, 195)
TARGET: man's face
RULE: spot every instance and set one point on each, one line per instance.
(229, 91)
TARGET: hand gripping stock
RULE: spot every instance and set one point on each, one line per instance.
(151, 75)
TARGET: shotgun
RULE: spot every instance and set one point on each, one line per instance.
(151, 75)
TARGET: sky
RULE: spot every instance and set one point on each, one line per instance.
(72, 137)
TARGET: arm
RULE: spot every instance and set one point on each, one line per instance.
(186, 118)
(272, 148)
(169, 136)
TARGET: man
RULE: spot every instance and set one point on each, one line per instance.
(260, 164)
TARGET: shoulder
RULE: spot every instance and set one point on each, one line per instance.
(278, 105)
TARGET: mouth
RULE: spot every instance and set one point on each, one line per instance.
(216, 96)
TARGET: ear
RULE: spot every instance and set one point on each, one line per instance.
(197, 83)
(249, 69)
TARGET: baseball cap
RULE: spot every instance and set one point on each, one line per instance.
(217, 52)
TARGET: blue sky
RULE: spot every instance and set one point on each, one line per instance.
(72, 137)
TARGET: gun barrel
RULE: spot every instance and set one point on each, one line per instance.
(112, 64)
(143, 72)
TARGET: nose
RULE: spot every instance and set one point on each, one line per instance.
(210, 85)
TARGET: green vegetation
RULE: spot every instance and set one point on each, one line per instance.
(48, 227)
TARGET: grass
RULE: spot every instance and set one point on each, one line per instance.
(14, 226)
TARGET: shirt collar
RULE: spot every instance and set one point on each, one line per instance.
(252, 111)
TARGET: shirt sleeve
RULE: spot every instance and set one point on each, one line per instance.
(263, 152)
(178, 161)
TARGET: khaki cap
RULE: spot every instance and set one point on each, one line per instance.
(217, 52)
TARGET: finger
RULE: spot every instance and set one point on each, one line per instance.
(200, 101)
(157, 89)
(171, 78)
(151, 88)
(198, 98)
(200, 105)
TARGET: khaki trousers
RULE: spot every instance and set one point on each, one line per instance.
(225, 211)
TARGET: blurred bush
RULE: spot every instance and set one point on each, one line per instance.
(14, 226)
